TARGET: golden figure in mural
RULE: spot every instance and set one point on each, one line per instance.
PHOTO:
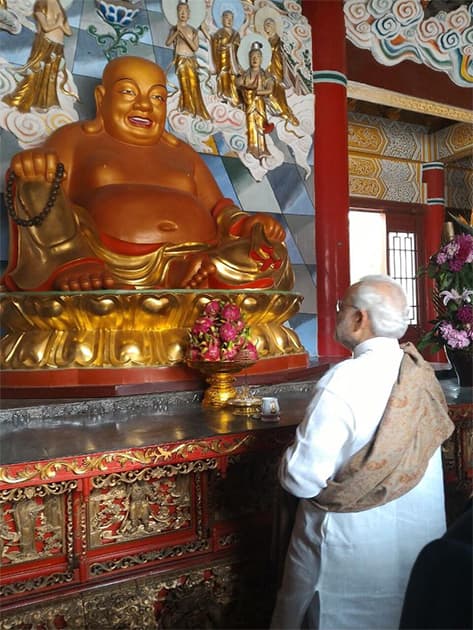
(118, 201)
(39, 85)
(278, 69)
(256, 85)
(185, 39)
(225, 44)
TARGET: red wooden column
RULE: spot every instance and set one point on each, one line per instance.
(330, 164)
(433, 177)
(434, 218)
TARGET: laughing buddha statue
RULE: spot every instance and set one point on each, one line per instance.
(118, 202)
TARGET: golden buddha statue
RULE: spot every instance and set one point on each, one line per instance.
(118, 202)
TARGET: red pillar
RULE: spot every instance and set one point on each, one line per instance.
(433, 177)
(330, 164)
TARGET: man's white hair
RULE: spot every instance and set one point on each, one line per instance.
(385, 301)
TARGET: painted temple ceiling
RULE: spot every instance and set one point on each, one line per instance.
(399, 30)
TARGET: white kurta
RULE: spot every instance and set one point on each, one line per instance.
(350, 570)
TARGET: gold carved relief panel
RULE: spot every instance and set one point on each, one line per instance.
(131, 505)
(36, 523)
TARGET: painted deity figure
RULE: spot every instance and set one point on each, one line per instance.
(135, 206)
(224, 44)
(185, 39)
(39, 84)
(278, 69)
(256, 85)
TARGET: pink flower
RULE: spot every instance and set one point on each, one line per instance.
(212, 353)
(227, 332)
(451, 268)
(454, 338)
(239, 325)
(212, 308)
(202, 325)
(465, 247)
(455, 265)
(252, 351)
(240, 341)
(220, 334)
(194, 354)
(228, 354)
(231, 312)
(465, 314)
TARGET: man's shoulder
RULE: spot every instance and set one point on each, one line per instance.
(339, 372)
(349, 371)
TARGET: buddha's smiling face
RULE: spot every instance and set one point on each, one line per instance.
(132, 100)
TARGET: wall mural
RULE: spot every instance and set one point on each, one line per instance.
(37, 97)
(396, 31)
(241, 70)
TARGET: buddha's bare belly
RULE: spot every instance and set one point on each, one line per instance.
(150, 214)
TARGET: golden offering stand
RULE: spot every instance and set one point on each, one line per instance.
(86, 337)
(220, 377)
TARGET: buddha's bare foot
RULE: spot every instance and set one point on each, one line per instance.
(84, 276)
(200, 279)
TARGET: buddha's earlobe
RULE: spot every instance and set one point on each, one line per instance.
(96, 125)
(99, 94)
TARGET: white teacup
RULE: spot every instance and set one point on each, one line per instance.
(269, 406)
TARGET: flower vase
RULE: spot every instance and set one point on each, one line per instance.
(462, 363)
(220, 377)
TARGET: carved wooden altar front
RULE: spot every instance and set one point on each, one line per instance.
(170, 534)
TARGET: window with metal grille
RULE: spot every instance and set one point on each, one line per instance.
(388, 239)
(402, 257)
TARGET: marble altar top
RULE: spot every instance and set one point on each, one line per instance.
(34, 430)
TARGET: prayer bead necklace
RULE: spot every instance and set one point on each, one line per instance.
(40, 217)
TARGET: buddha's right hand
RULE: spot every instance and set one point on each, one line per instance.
(35, 164)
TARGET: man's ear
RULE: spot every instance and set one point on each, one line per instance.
(364, 322)
(361, 319)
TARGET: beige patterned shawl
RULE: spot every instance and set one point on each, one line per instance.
(414, 424)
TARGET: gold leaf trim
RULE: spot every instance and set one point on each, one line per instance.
(364, 92)
(104, 462)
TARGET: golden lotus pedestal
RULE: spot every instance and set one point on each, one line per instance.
(99, 340)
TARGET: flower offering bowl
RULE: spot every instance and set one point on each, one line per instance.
(220, 377)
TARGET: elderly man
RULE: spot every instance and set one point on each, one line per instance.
(367, 465)
(119, 201)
